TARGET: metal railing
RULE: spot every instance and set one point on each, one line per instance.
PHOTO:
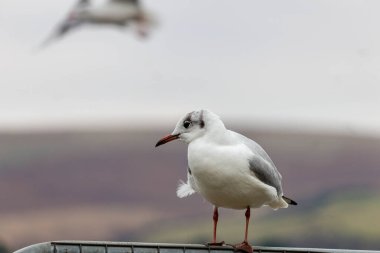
(135, 247)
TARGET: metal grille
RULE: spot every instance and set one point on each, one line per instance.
(134, 247)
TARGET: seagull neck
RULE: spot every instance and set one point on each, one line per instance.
(216, 133)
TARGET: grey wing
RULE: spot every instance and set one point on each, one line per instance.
(262, 166)
(135, 2)
(83, 2)
(266, 173)
(62, 29)
(66, 26)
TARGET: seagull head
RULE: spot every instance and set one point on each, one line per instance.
(192, 126)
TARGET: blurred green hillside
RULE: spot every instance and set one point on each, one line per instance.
(338, 220)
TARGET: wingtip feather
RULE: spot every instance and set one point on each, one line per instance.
(289, 201)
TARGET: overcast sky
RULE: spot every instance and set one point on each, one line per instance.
(284, 63)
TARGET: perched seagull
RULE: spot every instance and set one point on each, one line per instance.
(228, 169)
(113, 12)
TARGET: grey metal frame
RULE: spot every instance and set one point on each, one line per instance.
(136, 247)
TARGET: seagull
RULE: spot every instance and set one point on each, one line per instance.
(113, 12)
(228, 169)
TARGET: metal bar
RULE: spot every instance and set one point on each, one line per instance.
(59, 247)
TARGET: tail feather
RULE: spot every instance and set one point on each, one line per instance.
(289, 201)
(184, 190)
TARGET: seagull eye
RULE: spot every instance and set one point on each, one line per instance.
(186, 124)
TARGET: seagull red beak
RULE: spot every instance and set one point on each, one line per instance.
(167, 139)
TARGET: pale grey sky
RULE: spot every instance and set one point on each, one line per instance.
(284, 63)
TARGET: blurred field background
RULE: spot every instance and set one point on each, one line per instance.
(113, 185)
(79, 121)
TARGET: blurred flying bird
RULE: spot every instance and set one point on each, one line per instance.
(227, 169)
(119, 13)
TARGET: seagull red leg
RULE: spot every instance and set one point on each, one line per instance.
(247, 217)
(245, 246)
(215, 218)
